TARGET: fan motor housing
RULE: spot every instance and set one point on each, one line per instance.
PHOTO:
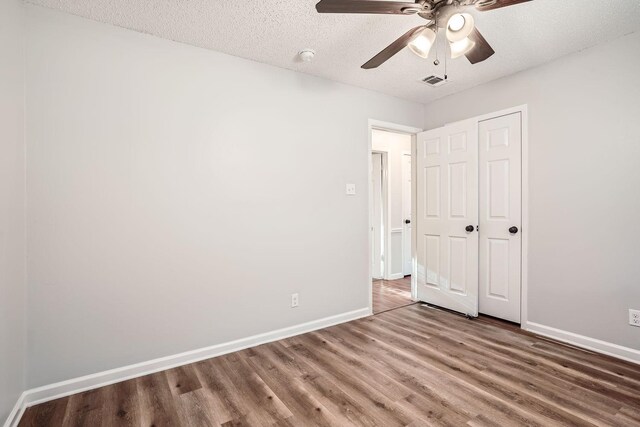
(446, 12)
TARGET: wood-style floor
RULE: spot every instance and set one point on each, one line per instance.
(413, 366)
(390, 294)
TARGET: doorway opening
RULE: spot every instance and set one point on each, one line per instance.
(391, 211)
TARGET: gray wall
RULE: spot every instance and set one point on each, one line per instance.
(584, 184)
(178, 196)
(12, 206)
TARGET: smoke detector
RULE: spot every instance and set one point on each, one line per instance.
(306, 55)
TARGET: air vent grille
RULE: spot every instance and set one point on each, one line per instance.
(434, 81)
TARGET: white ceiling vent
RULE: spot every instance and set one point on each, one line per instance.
(434, 81)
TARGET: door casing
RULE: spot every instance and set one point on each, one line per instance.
(391, 127)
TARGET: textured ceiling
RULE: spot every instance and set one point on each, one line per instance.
(273, 31)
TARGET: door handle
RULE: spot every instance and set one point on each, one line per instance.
(513, 230)
(469, 228)
(407, 221)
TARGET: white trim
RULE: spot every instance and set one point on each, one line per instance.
(100, 379)
(524, 193)
(599, 346)
(16, 413)
(414, 217)
(505, 112)
(393, 127)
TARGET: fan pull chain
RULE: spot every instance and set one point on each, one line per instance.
(445, 61)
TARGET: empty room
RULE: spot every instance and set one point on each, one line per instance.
(319, 213)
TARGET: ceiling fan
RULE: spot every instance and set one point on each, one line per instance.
(449, 15)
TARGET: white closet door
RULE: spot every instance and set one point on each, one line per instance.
(500, 163)
(447, 199)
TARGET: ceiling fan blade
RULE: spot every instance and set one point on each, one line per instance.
(393, 48)
(485, 5)
(481, 51)
(368, 6)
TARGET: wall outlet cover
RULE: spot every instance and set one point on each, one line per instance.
(294, 300)
(634, 317)
(350, 189)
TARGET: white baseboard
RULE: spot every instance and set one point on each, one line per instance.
(16, 413)
(395, 276)
(77, 385)
(599, 346)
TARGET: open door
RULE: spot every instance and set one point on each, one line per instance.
(447, 217)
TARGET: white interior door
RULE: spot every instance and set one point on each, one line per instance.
(376, 216)
(406, 214)
(500, 163)
(447, 216)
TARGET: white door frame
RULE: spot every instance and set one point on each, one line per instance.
(391, 127)
(523, 110)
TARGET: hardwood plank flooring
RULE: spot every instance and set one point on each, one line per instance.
(391, 294)
(412, 366)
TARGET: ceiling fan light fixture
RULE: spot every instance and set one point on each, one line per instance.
(456, 22)
(461, 47)
(460, 27)
(422, 44)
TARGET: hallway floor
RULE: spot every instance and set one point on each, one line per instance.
(390, 294)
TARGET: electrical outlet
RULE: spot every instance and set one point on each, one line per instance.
(350, 190)
(294, 300)
(634, 317)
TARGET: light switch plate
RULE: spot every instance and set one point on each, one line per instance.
(351, 189)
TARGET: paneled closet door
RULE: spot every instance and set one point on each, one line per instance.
(447, 211)
(500, 164)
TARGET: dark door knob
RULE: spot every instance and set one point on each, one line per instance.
(407, 221)
(513, 230)
(469, 228)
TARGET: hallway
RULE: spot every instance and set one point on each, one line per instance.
(390, 294)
